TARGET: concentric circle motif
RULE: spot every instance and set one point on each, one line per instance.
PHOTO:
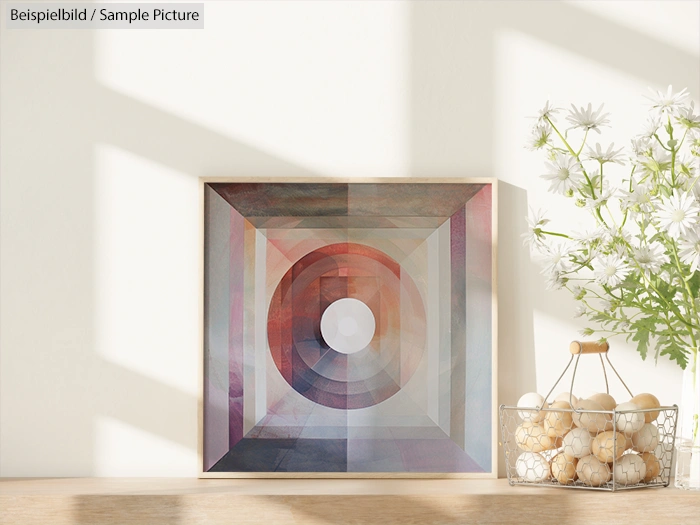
(346, 326)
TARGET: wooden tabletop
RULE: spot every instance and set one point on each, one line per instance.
(171, 501)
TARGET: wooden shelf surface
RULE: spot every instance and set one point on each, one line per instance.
(172, 501)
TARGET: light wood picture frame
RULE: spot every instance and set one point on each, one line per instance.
(401, 379)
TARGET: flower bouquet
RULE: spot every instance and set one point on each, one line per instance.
(634, 272)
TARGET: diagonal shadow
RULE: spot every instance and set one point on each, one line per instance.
(451, 107)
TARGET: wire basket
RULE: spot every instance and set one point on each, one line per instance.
(564, 444)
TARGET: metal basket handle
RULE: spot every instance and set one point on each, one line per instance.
(578, 348)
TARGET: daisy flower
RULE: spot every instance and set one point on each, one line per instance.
(689, 249)
(540, 137)
(588, 119)
(555, 281)
(651, 126)
(578, 292)
(637, 200)
(564, 173)
(650, 257)
(610, 270)
(534, 236)
(601, 200)
(678, 214)
(547, 112)
(655, 160)
(580, 311)
(667, 102)
(687, 118)
(556, 258)
(610, 155)
(641, 145)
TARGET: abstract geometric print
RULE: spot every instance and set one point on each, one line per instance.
(348, 327)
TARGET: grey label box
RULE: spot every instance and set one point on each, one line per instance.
(104, 16)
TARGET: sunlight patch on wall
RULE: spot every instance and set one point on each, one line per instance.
(146, 273)
(322, 85)
(124, 450)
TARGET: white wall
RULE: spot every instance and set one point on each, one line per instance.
(104, 135)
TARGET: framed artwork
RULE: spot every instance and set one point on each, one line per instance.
(349, 328)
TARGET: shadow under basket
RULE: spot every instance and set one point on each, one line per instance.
(610, 450)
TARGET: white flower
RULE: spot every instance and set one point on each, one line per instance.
(555, 281)
(638, 199)
(564, 173)
(667, 102)
(580, 311)
(606, 305)
(540, 137)
(693, 139)
(602, 199)
(652, 125)
(689, 249)
(677, 214)
(655, 159)
(610, 270)
(589, 236)
(687, 117)
(605, 156)
(588, 119)
(557, 257)
(650, 257)
(534, 236)
(547, 112)
(641, 145)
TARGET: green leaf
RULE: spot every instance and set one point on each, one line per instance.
(676, 353)
(644, 328)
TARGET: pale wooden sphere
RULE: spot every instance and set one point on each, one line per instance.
(605, 400)
(653, 466)
(531, 437)
(564, 468)
(647, 439)
(628, 422)
(577, 443)
(593, 422)
(531, 400)
(593, 472)
(645, 401)
(532, 467)
(608, 445)
(557, 424)
(566, 396)
(630, 469)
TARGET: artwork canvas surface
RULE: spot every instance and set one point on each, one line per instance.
(349, 328)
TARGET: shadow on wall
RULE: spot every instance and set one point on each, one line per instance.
(451, 86)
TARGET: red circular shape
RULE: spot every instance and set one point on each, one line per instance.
(307, 363)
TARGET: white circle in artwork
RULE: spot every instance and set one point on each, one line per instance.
(347, 325)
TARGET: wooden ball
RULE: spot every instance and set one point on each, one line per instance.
(653, 466)
(557, 424)
(531, 400)
(630, 469)
(608, 445)
(628, 422)
(531, 437)
(577, 443)
(647, 439)
(593, 472)
(564, 468)
(532, 467)
(645, 401)
(605, 400)
(593, 422)
(566, 397)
